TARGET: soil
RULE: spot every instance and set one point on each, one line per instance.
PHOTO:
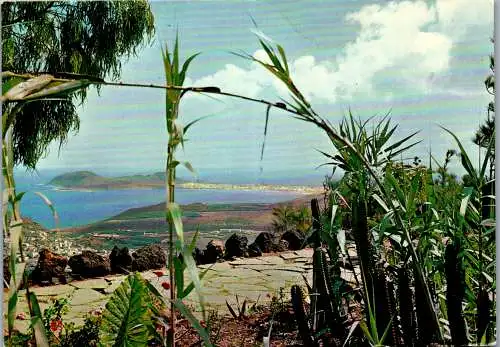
(248, 331)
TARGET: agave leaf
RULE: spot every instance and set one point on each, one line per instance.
(231, 310)
(489, 152)
(126, 318)
(381, 202)
(466, 163)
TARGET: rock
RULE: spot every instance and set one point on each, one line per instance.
(213, 252)
(49, 265)
(199, 256)
(254, 250)
(295, 240)
(284, 245)
(89, 264)
(236, 246)
(268, 243)
(6, 272)
(150, 257)
(120, 259)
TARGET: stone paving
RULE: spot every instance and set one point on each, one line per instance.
(249, 278)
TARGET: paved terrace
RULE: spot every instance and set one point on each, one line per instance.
(250, 278)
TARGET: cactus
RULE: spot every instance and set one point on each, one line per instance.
(301, 317)
(426, 330)
(406, 307)
(455, 291)
(483, 315)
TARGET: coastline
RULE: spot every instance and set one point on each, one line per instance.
(303, 190)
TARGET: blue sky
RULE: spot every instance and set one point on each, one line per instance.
(425, 60)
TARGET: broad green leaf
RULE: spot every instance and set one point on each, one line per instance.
(126, 318)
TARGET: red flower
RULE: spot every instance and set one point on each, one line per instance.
(56, 325)
(203, 324)
(158, 273)
(165, 285)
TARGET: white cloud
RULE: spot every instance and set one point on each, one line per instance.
(408, 42)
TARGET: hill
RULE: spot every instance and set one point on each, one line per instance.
(145, 225)
(91, 180)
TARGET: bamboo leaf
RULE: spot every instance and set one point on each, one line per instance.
(36, 321)
(23, 89)
(185, 67)
(194, 322)
(59, 90)
(51, 206)
(176, 218)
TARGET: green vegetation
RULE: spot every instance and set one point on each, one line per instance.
(425, 241)
(66, 37)
(287, 217)
(439, 244)
(91, 180)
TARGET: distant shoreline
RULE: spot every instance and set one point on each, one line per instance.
(194, 185)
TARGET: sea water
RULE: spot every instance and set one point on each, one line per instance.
(81, 207)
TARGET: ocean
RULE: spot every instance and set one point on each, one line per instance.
(77, 208)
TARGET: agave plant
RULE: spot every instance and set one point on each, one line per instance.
(361, 163)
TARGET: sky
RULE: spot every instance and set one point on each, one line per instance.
(424, 61)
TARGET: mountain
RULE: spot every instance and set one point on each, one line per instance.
(91, 180)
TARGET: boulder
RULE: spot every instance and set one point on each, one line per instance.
(198, 256)
(89, 264)
(254, 250)
(213, 252)
(120, 259)
(283, 245)
(295, 239)
(236, 246)
(268, 243)
(150, 257)
(49, 265)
